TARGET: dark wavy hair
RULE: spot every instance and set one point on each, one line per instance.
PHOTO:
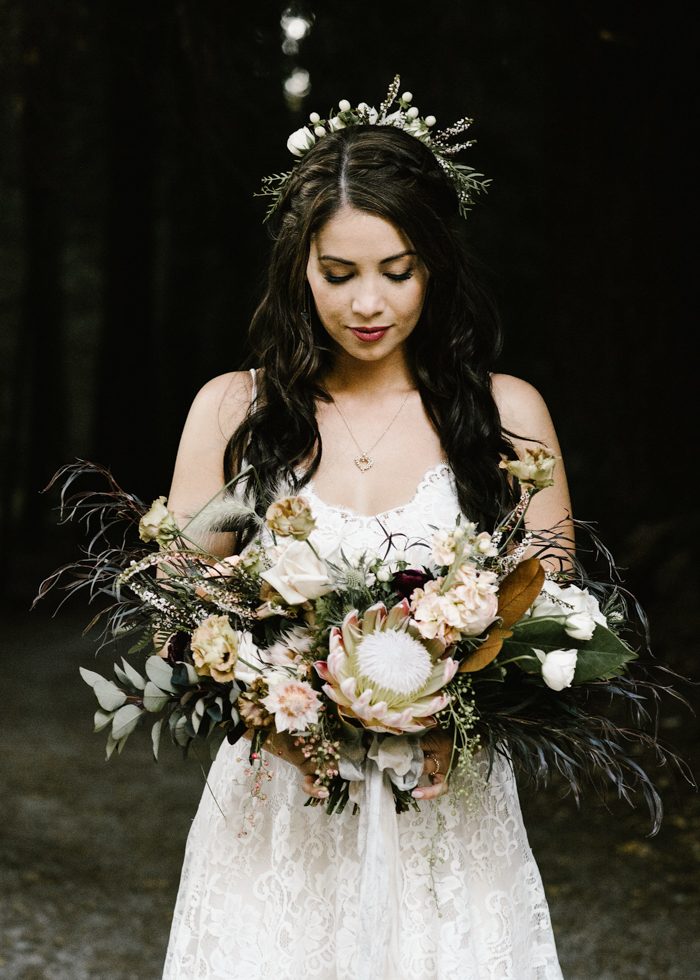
(383, 171)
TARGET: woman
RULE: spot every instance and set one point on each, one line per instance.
(373, 397)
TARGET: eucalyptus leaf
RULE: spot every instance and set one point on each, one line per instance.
(90, 676)
(180, 731)
(155, 737)
(121, 676)
(111, 745)
(160, 672)
(154, 699)
(125, 720)
(108, 694)
(600, 658)
(136, 679)
(102, 719)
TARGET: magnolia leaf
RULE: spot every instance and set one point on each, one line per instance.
(195, 720)
(155, 737)
(125, 720)
(108, 694)
(90, 676)
(200, 707)
(102, 719)
(160, 673)
(154, 699)
(488, 651)
(518, 590)
(600, 658)
(136, 679)
(192, 675)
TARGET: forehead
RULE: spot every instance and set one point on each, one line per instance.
(358, 235)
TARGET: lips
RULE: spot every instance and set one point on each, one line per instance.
(369, 334)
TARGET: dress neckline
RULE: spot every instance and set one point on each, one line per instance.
(430, 477)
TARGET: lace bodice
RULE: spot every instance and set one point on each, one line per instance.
(433, 504)
(273, 888)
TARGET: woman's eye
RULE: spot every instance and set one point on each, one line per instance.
(330, 278)
(400, 276)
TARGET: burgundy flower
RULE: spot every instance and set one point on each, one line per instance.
(177, 648)
(408, 580)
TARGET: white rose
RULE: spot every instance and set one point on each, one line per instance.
(300, 141)
(576, 608)
(558, 667)
(335, 124)
(299, 574)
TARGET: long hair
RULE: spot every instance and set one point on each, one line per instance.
(452, 349)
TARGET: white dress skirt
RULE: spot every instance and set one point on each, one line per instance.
(275, 889)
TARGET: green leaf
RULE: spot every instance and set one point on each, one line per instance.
(155, 737)
(600, 658)
(125, 720)
(120, 675)
(160, 672)
(154, 699)
(136, 679)
(102, 719)
(108, 694)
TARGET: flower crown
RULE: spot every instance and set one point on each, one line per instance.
(396, 111)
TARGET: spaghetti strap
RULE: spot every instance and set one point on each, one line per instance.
(253, 379)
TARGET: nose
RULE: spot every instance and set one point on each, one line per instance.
(367, 301)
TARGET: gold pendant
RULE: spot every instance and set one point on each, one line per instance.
(363, 462)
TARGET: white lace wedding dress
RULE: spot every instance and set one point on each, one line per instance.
(272, 889)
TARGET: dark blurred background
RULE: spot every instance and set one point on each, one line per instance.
(132, 138)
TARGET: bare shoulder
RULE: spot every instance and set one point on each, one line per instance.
(221, 404)
(522, 408)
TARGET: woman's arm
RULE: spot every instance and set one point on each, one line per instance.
(524, 413)
(216, 412)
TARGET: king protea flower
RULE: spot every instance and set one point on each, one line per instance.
(381, 672)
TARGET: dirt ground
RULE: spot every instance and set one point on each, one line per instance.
(90, 851)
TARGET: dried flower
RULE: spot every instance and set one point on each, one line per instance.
(290, 517)
(158, 524)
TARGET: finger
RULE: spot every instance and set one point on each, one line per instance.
(438, 787)
(318, 792)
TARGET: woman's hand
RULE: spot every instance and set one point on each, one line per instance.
(283, 746)
(437, 748)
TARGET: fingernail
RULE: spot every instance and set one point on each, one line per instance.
(323, 793)
(418, 793)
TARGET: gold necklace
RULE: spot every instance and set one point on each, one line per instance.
(364, 461)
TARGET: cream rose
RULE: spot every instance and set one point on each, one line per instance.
(299, 574)
(558, 667)
(534, 469)
(290, 517)
(158, 523)
(216, 647)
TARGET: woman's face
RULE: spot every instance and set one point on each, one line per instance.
(368, 283)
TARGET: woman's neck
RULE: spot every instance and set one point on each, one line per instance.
(349, 374)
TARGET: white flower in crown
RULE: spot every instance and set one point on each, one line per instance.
(301, 141)
(381, 672)
(399, 112)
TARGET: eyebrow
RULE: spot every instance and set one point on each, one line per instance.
(392, 258)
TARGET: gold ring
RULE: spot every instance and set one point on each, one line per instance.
(429, 754)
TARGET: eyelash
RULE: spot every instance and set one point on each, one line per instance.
(336, 280)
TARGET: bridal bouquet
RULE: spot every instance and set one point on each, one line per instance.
(357, 657)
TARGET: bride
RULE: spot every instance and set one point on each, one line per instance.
(373, 398)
